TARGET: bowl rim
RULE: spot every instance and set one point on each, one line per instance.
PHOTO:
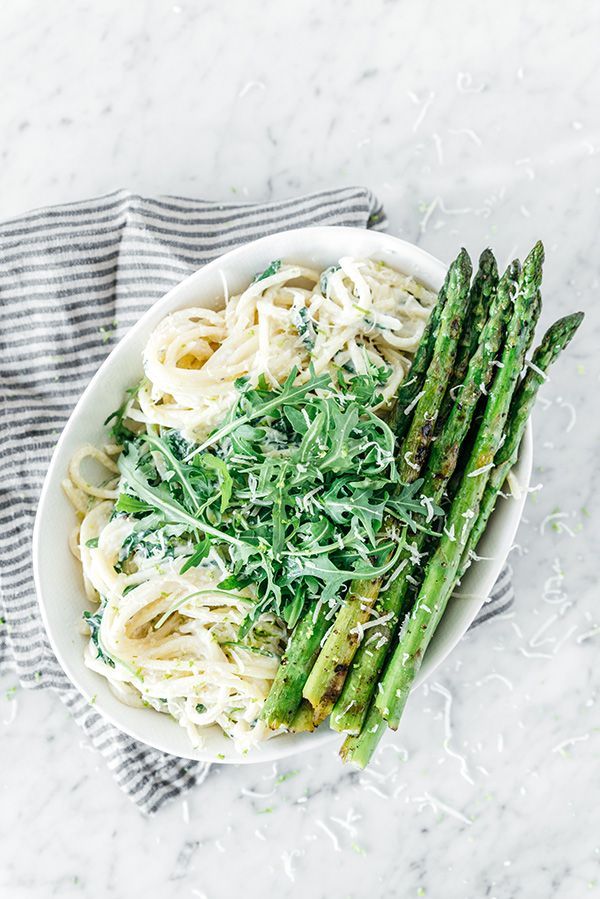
(277, 747)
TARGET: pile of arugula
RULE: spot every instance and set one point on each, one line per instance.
(297, 490)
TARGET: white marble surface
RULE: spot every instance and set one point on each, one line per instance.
(473, 128)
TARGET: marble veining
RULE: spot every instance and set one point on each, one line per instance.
(475, 125)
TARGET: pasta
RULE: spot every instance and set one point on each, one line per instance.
(165, 635)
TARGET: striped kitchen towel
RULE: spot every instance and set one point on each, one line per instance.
(73, 279)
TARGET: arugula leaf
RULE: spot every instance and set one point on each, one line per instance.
(207, 460)
(152, 538)
(161, 500)
(179, 446)
(369, 513)
(305, 327)
(232, 582)
(201, 551)
(278, 513)
(93, 621)
(310, 442)
(365, 387)
(323, 568)
(341, 451)
(297, 419)
(176, 466)
(293, 609)
(290, 393)
(130, 504)
(119, 430)
(271, 269)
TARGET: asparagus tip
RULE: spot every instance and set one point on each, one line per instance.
(488, 264)
(569, 326)
(512, 271)
(557, 337)
(463, 260)
(536, 256)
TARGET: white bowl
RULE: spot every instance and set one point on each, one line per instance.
(57, 573)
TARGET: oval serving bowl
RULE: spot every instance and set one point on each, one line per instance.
(57, 573)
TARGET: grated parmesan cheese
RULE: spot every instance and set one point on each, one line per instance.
(412, 405)
(477, 472)
(410, 464)
(536, 369)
